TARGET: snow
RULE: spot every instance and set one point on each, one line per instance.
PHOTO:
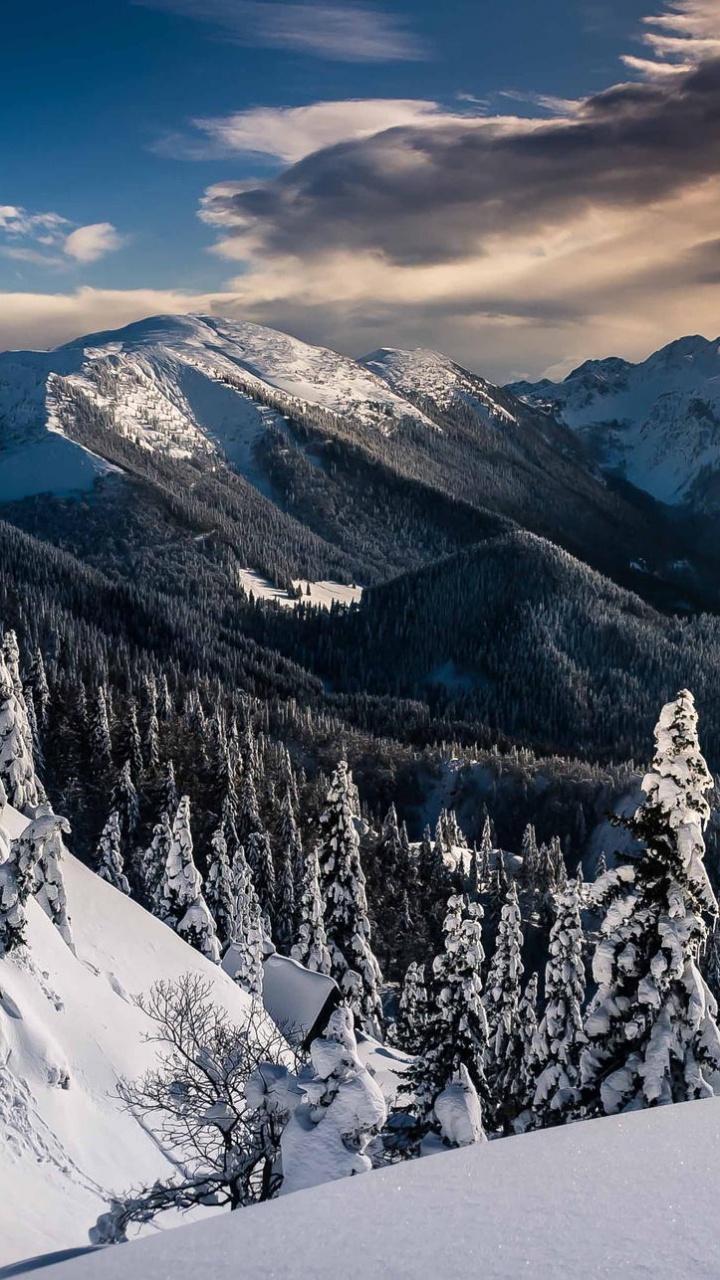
(428, 374)
(320, 594)
(51, 465)
(631, 1196)
(68, 1017)
(658, 422)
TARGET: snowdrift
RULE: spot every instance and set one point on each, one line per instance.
(633, 1196)
(69, 1030)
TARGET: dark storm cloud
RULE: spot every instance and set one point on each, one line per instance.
(425, 195)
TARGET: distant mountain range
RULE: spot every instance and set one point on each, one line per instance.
(656, 423)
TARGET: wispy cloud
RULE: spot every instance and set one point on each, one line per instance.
(355, 32)
(288, 134)
(49, 240)
(685, 34)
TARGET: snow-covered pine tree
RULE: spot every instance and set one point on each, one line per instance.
(247, 950)
(601, 868)
(342, 884)
(258, 852)
(310, 948)
(528, 1025)
(455, 1031)
(289, 842)
(125, 804)
(651, 1026)
(109, 857)
(502, 1001)
(530, 858)
(49, 886)
(17, 768)
(18, 873)
(284, 902)
(152, 865)
(183, 905)
(219, 889)
(409, 1029)
(560, 1037)
(99, 733)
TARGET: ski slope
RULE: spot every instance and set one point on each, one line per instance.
(69, 1030)
(632, 1196)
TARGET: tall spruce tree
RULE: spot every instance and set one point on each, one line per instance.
(311, 948)
(409, 1029)
(347, 922)
(183, 906)
(651, 1026)
(109, 855)
(502, 1001)
(560, 1037)
(17, 767)
(455, 1032)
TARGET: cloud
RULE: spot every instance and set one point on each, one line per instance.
(685, 34)
(570, 235)
(94, 241)
(289, 134)
(49, 240)
(339, 32)
(48, 319)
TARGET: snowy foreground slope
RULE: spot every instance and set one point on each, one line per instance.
(632, 1196)
(68, 1031)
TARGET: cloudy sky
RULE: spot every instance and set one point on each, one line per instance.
(521, 185)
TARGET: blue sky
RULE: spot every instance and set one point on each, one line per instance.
(104, 168)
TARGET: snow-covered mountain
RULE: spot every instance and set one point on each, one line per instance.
(631, 1196)
(179, 385)
(69, 1032)
(658, 422)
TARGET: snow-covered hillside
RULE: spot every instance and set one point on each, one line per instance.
(633, 1196)
(69, 1030)
(657, 422)
(180, 385)
(432, 376)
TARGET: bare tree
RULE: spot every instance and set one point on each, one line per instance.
(193, 1101)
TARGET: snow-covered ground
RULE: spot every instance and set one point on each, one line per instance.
(320, 594)
(632, 1197)
(422, 373)
(69, 1030)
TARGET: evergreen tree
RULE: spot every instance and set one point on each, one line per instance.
(290, 842)
(260, 860)
(409, 1030)
(99, 734)
(17, 769)
(183, 905)
(109, 858)
(455, 1033)
(530, 858)
(219, 889)
(49, 886)
(502, 1002)
(528, 1025)
(152, 865)
(651, 1026)
(342, 883)
(244, 960)
(285, 903)
(310, 948)
(560, 1036)
(19, 860)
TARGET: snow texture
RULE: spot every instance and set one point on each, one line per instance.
(632, 1197)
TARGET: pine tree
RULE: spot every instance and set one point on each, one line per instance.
(502, 1002)
(18, 874)
(108, 857)
(99, 734)
(530, 858)
(219, 889)
(651, 1027)
(409, 1030)
(247, 950)
(125, 804)
(152, 865)
(258, 851)
(310, 949)
(17, 768)
(290, 845)
(285, 903)
(342, 883)
(560, 1036)
(455, 1033)
(49, 885)
(183, 904)
(528, 1024)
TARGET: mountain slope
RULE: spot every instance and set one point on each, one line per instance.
(319, 465)
(658, 422)
(631, 1196)
(69, 1031)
